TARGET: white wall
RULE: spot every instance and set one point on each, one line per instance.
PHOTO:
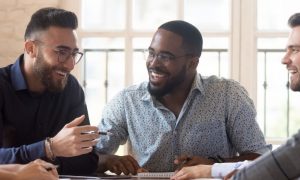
(14, 16)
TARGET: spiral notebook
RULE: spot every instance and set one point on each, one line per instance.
(154, 175)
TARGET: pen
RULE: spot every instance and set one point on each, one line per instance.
(105, 133)
(99, 132)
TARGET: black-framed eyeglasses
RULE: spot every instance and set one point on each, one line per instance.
(150, 55)
(63, 53)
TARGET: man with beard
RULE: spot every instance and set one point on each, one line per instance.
(42, 104)
(178, 113)
(282, 163)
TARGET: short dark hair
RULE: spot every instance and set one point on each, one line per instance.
(44, 18)
(192, 38)
(294, 20)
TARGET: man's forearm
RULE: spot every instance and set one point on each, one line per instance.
(22, 154)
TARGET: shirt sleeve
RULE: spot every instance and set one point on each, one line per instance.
(220, 170)
(22, 154)
(282, 163)
(242, 127)
(114, 121)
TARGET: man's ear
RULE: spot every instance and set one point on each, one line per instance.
(194, 62)
(30, 48)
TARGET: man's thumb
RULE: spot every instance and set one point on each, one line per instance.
(75, 122)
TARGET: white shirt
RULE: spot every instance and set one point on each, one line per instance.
(222, 169)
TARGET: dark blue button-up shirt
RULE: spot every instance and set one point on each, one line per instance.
(26, 119)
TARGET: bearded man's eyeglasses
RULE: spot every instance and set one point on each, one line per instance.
(63, 53)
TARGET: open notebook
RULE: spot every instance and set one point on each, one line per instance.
(154, 175)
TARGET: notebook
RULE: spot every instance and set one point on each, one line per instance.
(154, 175)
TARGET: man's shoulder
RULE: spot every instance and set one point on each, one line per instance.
(129, 95)
(4, 75)
(215, 86)
(136, 90)
(132, 93)
(219, 81)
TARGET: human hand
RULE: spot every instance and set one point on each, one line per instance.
(192, 172)
(120, 164)
(184, 160)
(37, 169)
(72, 139)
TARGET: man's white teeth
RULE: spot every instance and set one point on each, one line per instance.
(292, 71)
(157, 75)
(61, 73)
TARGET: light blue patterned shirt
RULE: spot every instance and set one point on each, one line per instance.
(217, 118)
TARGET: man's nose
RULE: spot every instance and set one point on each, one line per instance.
(286, 59)
(70, 63)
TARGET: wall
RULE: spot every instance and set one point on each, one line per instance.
(14, 16)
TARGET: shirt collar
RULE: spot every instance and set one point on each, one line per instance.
(17, 77)
(197, 85)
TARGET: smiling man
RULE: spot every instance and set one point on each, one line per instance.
(283, 162)
(41, 103)
(178, 112)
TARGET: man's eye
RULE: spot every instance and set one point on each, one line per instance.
(62, 52)
(164, 56)
(151, 54)
(295, 50)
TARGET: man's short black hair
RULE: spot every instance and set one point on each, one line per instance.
(294, 20)
(44, 18)
(192, 38)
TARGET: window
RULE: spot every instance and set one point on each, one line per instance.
(103, 15)
(276, 104)
(104, 72)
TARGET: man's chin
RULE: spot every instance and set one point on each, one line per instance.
(57, 87)
(155, 91)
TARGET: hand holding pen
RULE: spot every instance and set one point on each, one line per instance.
(71, 141)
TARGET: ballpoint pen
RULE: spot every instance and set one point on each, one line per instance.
(105, 133)
(99, 132)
